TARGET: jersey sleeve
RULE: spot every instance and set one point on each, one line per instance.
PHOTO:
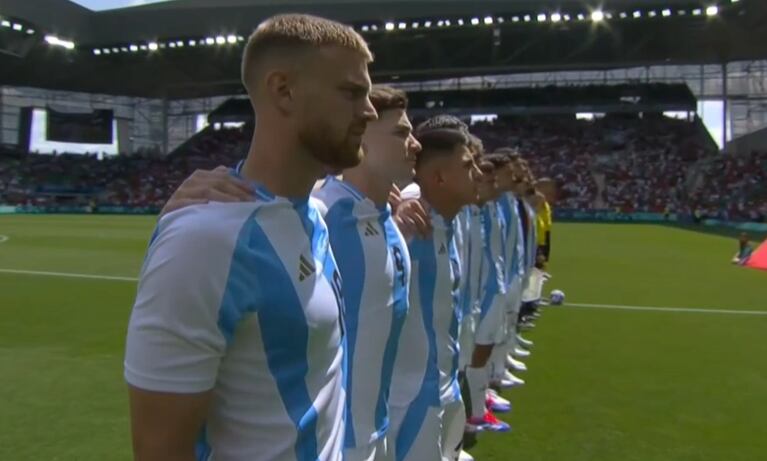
(548, 217)
(492, 261)
(174, 343)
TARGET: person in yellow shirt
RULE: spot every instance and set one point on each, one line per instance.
(543, 227)
(545, 192)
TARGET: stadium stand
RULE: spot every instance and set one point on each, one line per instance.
(732, 188)
(620, 162)
(143, 180)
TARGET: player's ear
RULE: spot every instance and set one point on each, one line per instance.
(440, 176)
(279, 88)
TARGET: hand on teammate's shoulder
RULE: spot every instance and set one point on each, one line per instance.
(203, 186)
(412, 218)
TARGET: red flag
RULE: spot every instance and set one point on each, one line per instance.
(758, 259)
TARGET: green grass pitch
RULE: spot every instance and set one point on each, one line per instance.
(603, 384)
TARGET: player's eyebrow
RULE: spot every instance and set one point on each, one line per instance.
(356, 87)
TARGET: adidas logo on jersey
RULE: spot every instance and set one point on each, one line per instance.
(305, 268)
(442, 249)
(370, 230)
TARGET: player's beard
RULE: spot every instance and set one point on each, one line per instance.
(335, 152)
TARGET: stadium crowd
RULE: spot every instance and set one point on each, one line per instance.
(734, 188)
(141, 180)
(617, 163)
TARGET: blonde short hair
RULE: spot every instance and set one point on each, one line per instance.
(297, 32)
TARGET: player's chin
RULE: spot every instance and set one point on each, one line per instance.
(406, 172)
(347, 159)
(410, 168)
(471, 196)
(406, 176)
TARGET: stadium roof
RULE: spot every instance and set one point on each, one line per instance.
(127, 50)
(106, 5)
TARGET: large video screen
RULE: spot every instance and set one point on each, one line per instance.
(83, 128)
(39, 142)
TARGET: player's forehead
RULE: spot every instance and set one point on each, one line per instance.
(342, 65)
(392, 121)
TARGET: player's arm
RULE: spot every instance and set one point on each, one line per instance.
(205, 186)
(492, 261)
(174, 344)
(165, 426)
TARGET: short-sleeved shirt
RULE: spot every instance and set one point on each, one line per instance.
(428, 372)
(244, 300)
(374, 263)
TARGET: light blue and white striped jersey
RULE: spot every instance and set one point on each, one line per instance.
(471, 252)
(374, 263)
(514, 249)
(460, 234)
(431, 378)
(493, 268)
(244, 300)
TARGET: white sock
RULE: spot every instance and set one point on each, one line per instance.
(478, 380)
(511, 331)
(498, 362)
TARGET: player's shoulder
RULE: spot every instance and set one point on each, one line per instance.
(489, 207)
(340, 201)
(205, 226)
(332, 193)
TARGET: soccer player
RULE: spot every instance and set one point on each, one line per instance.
(744, 250)
(468, 238)
(425, 396)
(235, 345)
(536, 276)
(374, 264)
(528, 214)
(508, 181)
(544, 223)
(518, 191)
(491, 324)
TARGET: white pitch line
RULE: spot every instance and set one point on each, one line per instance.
(4, 238)
(69, 275)
(667, 309)
(596, 306)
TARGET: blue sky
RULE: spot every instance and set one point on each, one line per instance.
(103, 5)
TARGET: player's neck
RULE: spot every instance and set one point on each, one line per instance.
(282, 168)
(370, 185)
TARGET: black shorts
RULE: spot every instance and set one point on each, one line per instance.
(545, 249)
